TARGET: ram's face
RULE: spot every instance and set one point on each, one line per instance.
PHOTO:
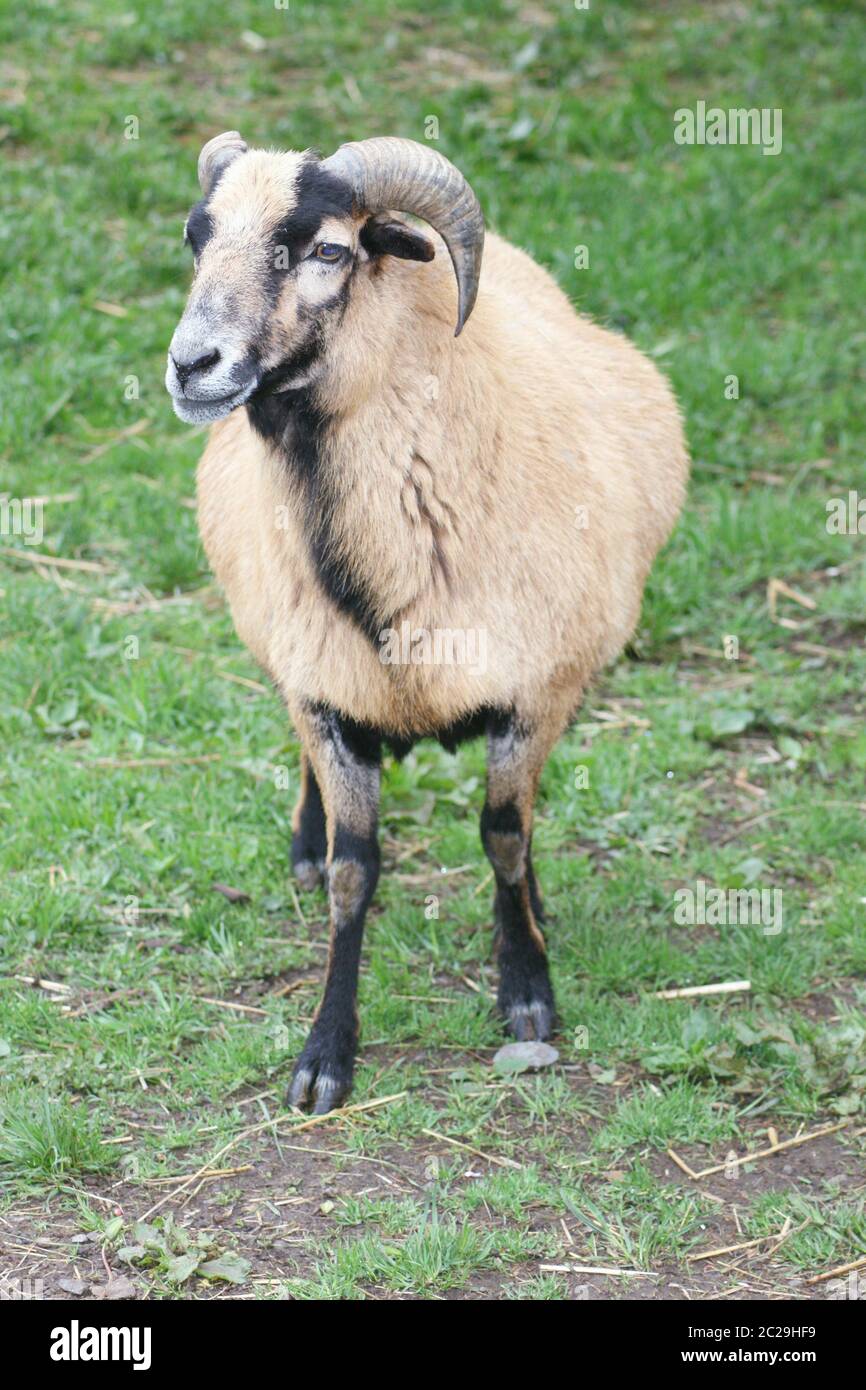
(275, 244)
(278, 239)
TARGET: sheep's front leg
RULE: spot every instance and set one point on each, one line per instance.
(346, 760)
(516, 755)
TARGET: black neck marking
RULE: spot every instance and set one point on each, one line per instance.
(293, 422)
(290, 419)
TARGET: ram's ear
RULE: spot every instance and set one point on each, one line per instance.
(386, 236)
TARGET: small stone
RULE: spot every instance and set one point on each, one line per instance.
(118, 1287)
(524, 1056)
(76, 1286)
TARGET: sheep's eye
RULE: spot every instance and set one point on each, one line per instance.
(328, 251)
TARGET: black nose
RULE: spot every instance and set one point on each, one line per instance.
(201, 364)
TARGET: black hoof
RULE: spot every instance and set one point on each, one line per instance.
(526, 1003)
(323, 1073)
(533, 1022)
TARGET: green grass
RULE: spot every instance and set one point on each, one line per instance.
(45, 1140)
(136, 773)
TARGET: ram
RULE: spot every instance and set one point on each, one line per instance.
(375, 478)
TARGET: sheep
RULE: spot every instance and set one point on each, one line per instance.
(371, 473)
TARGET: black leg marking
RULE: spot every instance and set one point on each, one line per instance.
(323, 1074)
(516, 754)
(348, 769)
(309, 836)
(525, 996)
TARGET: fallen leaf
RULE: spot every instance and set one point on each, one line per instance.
(234, 895)
(181, 1267)
(232, 1268)
(605, 1076)
(724, 722)
(130, 1253)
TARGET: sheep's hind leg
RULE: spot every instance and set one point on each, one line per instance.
(516, 756)
(345, 759)
(309, 835)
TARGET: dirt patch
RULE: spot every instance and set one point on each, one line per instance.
(270, 1211)
(806, 1169)
(277, 1204)
(828, 1163)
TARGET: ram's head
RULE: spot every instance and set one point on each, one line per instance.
(277, 240)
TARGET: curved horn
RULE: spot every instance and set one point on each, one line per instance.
(387, 172)
(217, 155)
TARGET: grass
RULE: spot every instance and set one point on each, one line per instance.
(138, 771)
(43, 1139)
